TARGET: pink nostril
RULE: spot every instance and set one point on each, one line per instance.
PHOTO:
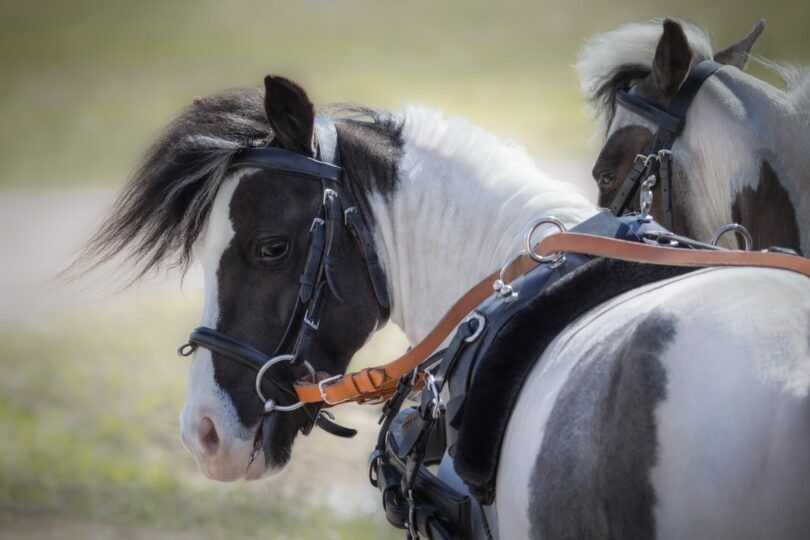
(209, 440)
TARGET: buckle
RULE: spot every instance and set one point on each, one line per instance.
(346, 212)
(322, 390)
(309, 322)
(316, 221)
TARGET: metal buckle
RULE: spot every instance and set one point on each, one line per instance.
(315, 221)
(309, 322)
(322, 390)
(437, 405)
(329, 194)
(346, 212)
(646, 158)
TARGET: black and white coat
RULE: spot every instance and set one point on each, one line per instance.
(678, 410)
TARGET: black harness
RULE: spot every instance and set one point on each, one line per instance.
(483, 369)
(656, 159)
(338, 210)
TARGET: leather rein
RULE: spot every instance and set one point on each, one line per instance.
(654, 163)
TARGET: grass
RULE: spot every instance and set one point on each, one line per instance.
(88, 433)
(87, 84)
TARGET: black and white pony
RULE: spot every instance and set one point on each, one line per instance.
(744, 155)
(678, 410)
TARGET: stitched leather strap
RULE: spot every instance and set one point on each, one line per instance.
(373, 384)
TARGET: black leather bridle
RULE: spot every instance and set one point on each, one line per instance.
(338, 210)
(656, 158)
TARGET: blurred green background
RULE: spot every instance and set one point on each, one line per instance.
(89, 389)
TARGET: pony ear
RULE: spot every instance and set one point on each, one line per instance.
(737, 55)
(673, 57)
(291, 115)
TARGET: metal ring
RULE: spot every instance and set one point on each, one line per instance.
(269, 404)
(737, 228)
(187, 349)
(475, 316)
(553, 258)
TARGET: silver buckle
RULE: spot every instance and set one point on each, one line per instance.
(330, 194)
(309, 322)
(347, 212)
(322, 390)
(315, 221)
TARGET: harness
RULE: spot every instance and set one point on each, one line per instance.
(655, 161)
(338, 210)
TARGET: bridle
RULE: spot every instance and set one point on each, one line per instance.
(655, 161)
(338, 209)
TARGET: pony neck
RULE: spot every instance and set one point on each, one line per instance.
(463, 200)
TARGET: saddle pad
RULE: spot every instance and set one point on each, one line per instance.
(521, 338)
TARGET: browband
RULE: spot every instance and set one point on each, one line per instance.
(279, 159)
(654, 114)
(673, 118)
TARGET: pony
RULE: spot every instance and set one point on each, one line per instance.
(679, 409)
(743, 155)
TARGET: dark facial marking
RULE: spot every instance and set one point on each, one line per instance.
(767, 212)
(257, 298)
(616, 159)
(591, 478)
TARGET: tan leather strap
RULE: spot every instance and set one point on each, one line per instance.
(378, 383)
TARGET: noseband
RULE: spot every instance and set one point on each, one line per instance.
(338, 210)
(655, 161)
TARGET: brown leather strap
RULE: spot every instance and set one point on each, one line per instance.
(378, 383)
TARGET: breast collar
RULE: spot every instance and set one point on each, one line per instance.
(656, 158)
(338, 209)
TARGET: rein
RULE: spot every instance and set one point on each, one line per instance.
(655, 161)
(373, 385)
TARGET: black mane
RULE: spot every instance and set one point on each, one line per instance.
(620, 78)
(161, 211)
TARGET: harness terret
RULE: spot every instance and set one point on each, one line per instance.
(655, 161)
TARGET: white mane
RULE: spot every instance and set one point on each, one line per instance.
(631, 44)
(464, 199)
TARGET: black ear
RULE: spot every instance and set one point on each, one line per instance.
(673, 57)
(737, 55)
(291, 114)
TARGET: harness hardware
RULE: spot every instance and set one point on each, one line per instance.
(733, 227)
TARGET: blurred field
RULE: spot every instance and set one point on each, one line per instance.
(89, 434)
(85, 84)
(90, 392)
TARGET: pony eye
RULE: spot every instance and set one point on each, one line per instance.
(606, 179)
(273, 249)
